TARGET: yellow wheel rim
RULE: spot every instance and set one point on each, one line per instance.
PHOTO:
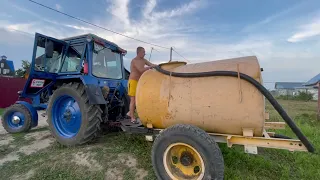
(181, 161)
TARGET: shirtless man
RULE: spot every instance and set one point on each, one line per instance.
(137, 69)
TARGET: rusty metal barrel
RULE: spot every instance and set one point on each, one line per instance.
(217, 104)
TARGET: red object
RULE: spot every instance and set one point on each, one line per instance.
(9, 88)
(85, 69)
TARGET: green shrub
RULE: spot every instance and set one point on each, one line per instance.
(302, 96)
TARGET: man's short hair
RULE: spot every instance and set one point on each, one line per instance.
(139, 49)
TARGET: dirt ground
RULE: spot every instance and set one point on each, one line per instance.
(36, 155)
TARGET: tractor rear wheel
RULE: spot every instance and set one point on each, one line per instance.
(16, 119)
(72, 120)
(186, 152)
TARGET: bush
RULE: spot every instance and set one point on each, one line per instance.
(302, 96)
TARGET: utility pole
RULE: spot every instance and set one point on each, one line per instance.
(150, 54)
(171, 49)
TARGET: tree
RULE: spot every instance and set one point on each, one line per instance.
(21, 72)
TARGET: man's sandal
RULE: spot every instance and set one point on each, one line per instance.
(134, 122)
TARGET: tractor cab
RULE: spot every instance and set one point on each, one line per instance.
(86, 54)
(87, 58)
(70, 78)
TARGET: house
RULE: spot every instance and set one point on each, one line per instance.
(287, 88)
(6, 67)
(314, 84)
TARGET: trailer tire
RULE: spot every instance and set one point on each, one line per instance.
(186, 152)
(24, 115)
(81, 120)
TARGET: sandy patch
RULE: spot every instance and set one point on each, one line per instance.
(130, 162)
(41, 140)
(114, 174)
(38, 135)
(86, 159)
(26, 176)
(36, 146)
(9, 157)
(5, 140)
(141, 174)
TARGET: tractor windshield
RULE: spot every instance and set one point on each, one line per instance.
(106, 63)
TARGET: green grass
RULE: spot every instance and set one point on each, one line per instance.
(56, 162)
(275, 163)
(1, 111)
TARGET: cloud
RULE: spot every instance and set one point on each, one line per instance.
(307, 31)
(79, 27)
(58, 7)
(119, 9)
(186, 8)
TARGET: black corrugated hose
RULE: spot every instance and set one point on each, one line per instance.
(255, 83)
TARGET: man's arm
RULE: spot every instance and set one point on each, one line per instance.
(149, 63)
(141, 69)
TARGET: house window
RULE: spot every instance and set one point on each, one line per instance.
(2, 65)
(6, 71)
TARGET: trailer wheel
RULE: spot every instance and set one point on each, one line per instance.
(186, 152)
(16, 119)
(72, 120)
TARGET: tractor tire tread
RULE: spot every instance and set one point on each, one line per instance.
(93, 114)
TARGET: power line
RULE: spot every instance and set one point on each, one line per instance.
(180, 55)
(95, 24)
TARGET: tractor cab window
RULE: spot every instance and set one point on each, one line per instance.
(106, 63)
(73, 59)
(45, 64)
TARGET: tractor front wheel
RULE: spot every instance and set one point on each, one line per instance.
(186, 152)
(16, 119)
(72, 120)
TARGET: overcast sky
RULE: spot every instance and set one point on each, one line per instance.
(284, 35)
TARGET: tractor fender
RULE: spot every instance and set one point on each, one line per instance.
(33, 112)
(94, 94)
(92, 88)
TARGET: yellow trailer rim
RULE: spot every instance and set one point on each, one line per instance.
(182, 161)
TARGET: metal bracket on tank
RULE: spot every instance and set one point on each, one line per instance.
(251, 149)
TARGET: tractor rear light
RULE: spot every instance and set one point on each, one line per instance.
(85, 68)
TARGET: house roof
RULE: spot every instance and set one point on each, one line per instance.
(313, 81)
(288, 85)
(10, 64)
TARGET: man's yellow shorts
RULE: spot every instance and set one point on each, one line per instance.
(132, 86)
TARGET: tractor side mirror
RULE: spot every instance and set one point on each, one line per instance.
(49, 49)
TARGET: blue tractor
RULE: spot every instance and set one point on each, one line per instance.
(80, 81)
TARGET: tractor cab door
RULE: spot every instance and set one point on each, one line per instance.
(48, 55)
